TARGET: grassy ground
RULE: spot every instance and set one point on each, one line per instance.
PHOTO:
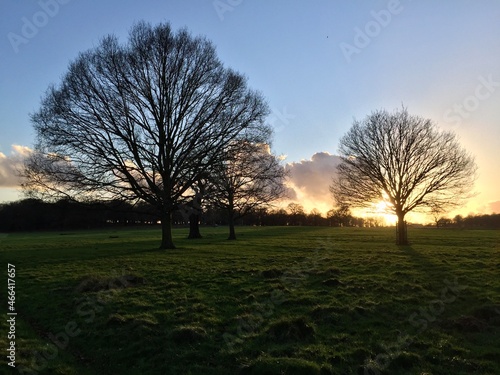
(300, 300)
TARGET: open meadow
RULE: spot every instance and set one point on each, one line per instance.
(279, 300)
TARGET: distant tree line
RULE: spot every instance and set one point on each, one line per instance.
(35, 215)
(39, 215)
(470, 222)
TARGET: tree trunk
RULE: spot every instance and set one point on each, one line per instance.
(166, 231)
(401, 234)
(232, 233)
(194, 226)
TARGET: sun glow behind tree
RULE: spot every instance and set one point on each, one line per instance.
(404, 160)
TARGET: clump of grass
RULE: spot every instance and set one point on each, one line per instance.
(279, 366)
(405, 360)
(91, 284)
(332, 282)
(188, 334)
(115, 320)
(273, 273)
(145, 320)
(97, 283)
(489, 313)
(468, 324)
(325, 314)
(295, 329)
(332, 271)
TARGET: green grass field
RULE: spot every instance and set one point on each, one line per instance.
(291, 300)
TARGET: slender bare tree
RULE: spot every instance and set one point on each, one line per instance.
(404, 160)
(248, 177)
(140, 121)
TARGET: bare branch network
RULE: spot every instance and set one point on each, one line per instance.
(404, 160)
(248, 176)
(141, 121)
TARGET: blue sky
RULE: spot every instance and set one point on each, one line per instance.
(440, 59)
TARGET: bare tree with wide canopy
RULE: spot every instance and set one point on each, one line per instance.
(140, 121)
(405, 161)
(248, 177)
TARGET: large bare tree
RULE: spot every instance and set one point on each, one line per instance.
(248, 177)
(404, 160)
(140, 121)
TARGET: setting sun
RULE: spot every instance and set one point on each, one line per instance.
(383, 209)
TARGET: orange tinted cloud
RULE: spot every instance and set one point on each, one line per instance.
(310, 180)
(495, 207)
(10, 166)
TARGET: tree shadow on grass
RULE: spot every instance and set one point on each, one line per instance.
(428, 264)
